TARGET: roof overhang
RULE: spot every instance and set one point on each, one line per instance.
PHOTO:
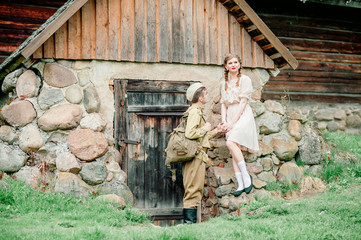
(244, 14)
(260, 33)
(29, 46)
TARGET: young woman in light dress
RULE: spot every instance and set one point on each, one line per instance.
(238, 120)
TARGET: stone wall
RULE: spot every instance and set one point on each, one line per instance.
(345, 117)
(57, 131)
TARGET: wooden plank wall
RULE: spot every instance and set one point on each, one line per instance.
(18, 20)
(179, 31)
(328, 51)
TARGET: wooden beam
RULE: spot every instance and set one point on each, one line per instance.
(276, 55)
(251, 28)
(259, 38)
(266, 47)
(51, 28)
(262, 27)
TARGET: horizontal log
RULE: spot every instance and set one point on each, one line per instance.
(317, 76)
(20, 23)
(313, 87)
(317, 33)
(313, 97)
(26, 11)
(327, 57)
(329, 67)
(157, 109)
(42, 3)
(156, 86)
(8, 48)
(273, 20)
(295, 44)
(14, 35)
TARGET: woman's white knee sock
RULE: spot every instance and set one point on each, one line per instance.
(245, 176)
(240, 181)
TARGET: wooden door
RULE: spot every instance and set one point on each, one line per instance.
(146, 113)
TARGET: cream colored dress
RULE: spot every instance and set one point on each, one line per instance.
(244, 131)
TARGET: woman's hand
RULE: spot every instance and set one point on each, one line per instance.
(228, 127)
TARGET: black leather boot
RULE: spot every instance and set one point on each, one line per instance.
(190, 215)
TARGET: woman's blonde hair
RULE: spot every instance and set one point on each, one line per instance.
(226, 59)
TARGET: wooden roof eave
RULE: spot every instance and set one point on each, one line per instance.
(257, 23)
(32, 43)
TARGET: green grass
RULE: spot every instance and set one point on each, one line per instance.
(342, 165)
(26, 213)
(334, 215)
(30, 214)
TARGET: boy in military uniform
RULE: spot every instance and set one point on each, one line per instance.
(194, 171)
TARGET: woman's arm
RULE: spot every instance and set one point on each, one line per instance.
(241, 107)
(224, 112)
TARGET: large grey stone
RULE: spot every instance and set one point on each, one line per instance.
(258, 108)
(254, 168)
(73, 94)
(30, 139)
(11, 158)
(223, 190)
(294, 128)
(290, 172)
(339, 114)
(28, 84)
(66, 162)
(262, 194)
(93, 121)
(285, 149)
(237, 202)
(11, 79)
(84, 78)
(30, 175)
(223, 175)
(284, 146)
(66, 116)
(332, 126)
(269, 123)
(86, 144)
(310, 149)
(118, 188)
(274, 106)
(19, 113)
(353, 121)
(267, 163)
(113, 198)
(8, 135)
(93, 173)
(71, 184)
(91, 100)
(49, 97)
(266, 177)
(324, 115)
(111, 161)
(58, 76)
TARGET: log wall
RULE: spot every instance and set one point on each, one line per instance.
(174, 31)
(18, 20)
(326, 41)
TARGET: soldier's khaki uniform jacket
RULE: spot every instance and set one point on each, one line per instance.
(194, 171)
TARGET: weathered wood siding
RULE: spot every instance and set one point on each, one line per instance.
(326, 40)
(18, 20)
(177, 31)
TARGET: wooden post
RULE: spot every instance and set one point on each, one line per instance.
(120, 130)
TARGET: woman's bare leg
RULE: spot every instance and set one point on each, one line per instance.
(238, 162)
